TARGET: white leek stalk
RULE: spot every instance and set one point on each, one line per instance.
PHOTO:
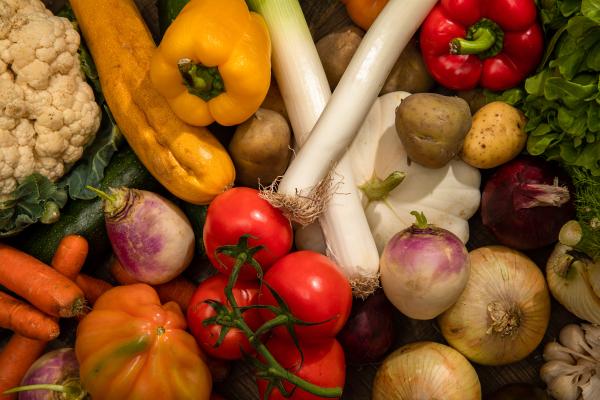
(354, 95)
(305, 91)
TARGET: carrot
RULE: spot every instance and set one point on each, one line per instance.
(70, 255)
(180, 290)
(119, 273)
(26, 320)
(15, 359)
(39, 284)
(92, 287)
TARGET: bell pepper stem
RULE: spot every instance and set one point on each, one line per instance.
(485, 38)
(200, 80)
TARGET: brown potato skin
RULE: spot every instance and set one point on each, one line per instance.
(336, 50)
(260, 148)
(409, 73)
(432, 127)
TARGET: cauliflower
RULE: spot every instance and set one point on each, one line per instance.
(47, 110)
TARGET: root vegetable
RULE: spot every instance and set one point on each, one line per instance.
(15, 359)
(260, 148)
(151, 237)
(526, 202)
(408, 74)
(497, 135)
(503, 313)
(38, 283)
(426, 370)
(336, 50)
(55, 375)
(432, 127)
(424, 269)
(26, 320)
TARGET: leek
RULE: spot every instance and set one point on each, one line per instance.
(305, 91)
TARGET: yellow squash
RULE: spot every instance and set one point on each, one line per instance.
(189, 161)
(214, 62)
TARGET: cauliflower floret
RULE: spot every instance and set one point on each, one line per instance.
(47, 110)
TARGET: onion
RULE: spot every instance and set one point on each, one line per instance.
(504, 311)
(526, 202)
(55, 375)
(151, 237)
(426, 370)
(569, 275)
(370, 330)
(424, 269)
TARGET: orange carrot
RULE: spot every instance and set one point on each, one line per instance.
(70, 255)
(180, 290)
(39, 284)
(92, 287)
(26, 320)
(119, 273)
(15, 359)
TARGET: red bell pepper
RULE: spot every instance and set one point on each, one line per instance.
(490, 43)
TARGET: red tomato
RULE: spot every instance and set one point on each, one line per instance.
(324, 365)
(240, 211)
(245, 293)
(314, 289)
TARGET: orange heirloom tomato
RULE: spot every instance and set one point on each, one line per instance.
(130, 347)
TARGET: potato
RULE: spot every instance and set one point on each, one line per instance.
(336, 50)
(260, 148)
(432, 127)
(409, 73)
(497, 135)
(274, 101)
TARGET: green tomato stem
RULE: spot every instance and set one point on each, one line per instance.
(273, 366)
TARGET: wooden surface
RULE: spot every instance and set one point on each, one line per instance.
(325, 16)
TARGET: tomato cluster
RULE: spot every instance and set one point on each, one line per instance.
(310, 285)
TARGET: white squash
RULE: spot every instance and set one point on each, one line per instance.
(448, 196)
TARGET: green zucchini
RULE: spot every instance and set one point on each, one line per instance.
(168, 10)
(85, 217)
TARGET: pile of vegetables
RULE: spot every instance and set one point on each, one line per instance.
(219, 188)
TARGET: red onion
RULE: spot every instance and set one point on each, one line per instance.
(151, 237)
(526, 202)
(424, 269)
(370, 331)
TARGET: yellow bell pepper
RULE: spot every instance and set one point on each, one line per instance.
(214, 63)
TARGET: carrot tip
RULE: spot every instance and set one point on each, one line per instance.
(77, 308)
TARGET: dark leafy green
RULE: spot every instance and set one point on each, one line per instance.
(35, 199)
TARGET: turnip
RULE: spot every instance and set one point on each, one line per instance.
(424, 269)
(55, 375)
(151, 237)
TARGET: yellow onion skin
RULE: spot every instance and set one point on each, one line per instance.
(425, 371)
(503, 313)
